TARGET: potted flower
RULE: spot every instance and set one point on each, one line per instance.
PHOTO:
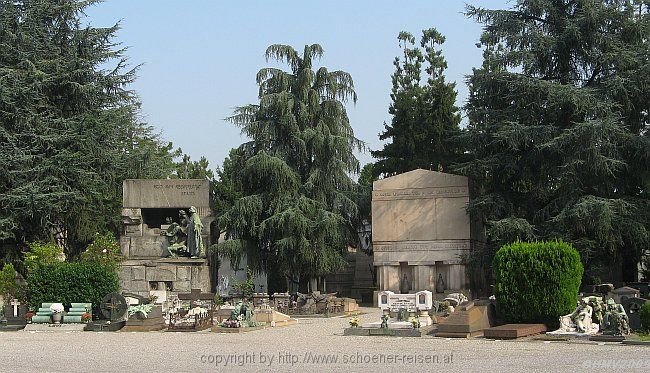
(86, 317)
(57, 312)
(354, 322)
(415, 322)
(28, 316)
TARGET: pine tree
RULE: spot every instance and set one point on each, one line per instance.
(295, 216)
(558, 128)
(70, 132)
(425, 119)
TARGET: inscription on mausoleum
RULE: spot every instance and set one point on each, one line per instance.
(180, 193)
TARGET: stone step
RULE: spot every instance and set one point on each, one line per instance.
(71, 319)
(38, 319)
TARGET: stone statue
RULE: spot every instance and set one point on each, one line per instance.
(579, 321)
(222, 289)
(176, 236)
(404, 285)
(616, 321)
(194, 239)
(384, 321)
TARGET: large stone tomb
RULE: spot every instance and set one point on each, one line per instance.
(148, 208)
(421, 231)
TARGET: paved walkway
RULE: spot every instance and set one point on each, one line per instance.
(311, 345)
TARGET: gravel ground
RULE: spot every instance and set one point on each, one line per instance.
(315, 344)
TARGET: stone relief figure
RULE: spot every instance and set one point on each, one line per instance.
(176, 235)
(616, 321)
(194, 239)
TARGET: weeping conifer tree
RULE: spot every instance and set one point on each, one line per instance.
(558, 128)
(295, 217)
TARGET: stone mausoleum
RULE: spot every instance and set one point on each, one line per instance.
(149, 208)
(421, 232)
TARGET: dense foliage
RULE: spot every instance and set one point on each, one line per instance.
(644, 316)
(295, 217)
(66, 283)
(558, 129)
(41, 254)
(69, 130)
(105, 250)
(425, 119)
(536, 282)
(8, 287)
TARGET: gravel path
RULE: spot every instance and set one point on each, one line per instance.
(311, 345)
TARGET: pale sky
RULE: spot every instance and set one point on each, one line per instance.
(200, 58)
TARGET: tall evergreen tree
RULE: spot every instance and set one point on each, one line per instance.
(69, 130)
(425, 119)
(295, 216)
(558, 128)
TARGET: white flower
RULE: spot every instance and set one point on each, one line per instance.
(104, 250)
(57, 308)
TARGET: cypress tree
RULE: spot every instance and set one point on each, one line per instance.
(425, 119)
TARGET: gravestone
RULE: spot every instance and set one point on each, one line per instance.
(623, 293)
(469, 320)
(150, 207)
(632, 307)
(14, 315)
(421, 231)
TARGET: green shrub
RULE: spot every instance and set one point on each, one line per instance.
(105, 250)
(71, 282)
(644, 315)
(42, 253)
(8, 286)
(536, 282)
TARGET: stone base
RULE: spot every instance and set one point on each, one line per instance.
(219, 329)
(392, 332)
(607, 338)
(104, 327)
(514, 331)
(634, 342)
(558, 333)
(11, 328)
(151, 324)
(55, 328)
(469, 320)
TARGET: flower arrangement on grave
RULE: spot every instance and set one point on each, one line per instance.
(86, 317)
(141, 309)
(415, 322)
(354, 322)
(57, 310)
(28, 316)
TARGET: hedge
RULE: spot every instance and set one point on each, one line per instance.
(644, 316)
(71, 282)
(536, 282)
